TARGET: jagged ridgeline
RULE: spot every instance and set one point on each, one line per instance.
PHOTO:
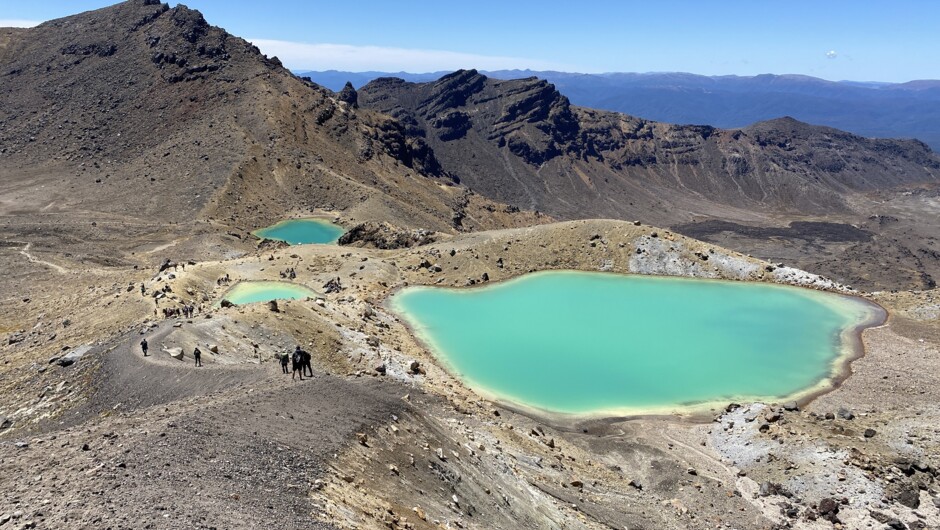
(522, 142)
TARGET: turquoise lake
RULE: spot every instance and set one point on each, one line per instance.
(263, 291)
(302, 231)
(604, 344)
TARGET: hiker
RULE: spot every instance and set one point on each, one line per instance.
(143, 346)
(306, 360)
(143, 291)
(198, 356)
(285, 358)
(292, 274)
(297, 362)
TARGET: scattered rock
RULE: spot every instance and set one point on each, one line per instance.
(272, 305)
(416, 368)
(226, 303)
(869, 433)
(381, 369)
(214, 348)
(362, 438)
(909, 496)
(828, 509)
(791, 406)
(372, 341)
(845, 414)
(771, 415)
(5, 423)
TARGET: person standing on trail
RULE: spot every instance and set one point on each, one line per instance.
(143, 346)
(306, 357)
(285, 358)
(297, 363)
(143, 291)
(198, 356)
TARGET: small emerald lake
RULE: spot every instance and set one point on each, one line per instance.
(606, 344)
(301, 231)
(263, 291)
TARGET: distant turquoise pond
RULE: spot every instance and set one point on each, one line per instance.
(605, 344)
(302, 231)
(264, 291)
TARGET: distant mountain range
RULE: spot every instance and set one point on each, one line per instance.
(893, 110)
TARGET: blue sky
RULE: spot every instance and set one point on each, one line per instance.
(833, 39)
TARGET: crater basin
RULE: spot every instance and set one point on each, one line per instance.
(249, 292)
(601, 344)
(302, 231)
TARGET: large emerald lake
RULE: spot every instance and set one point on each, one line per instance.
(301, 231)
(595, 343)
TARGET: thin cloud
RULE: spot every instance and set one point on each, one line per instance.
(302, 56)
(18, 23)
(831, 54)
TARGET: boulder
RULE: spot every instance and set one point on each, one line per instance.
(828, 509)
(5, 423)
(870, 433)
(272, 305)
(415, 367)
(176, 353)
(909, 496)
(73, 356)
(845, 414)
(214, 348)
(226, 303)
(791, 406)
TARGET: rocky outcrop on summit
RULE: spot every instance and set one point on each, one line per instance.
(348, 95)
(522, 142)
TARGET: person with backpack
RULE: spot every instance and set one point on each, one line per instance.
(198, 356)
(297, 363)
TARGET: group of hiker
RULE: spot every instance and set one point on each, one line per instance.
(289, 273)
(187, 311)
(300, 362)
(223, 280)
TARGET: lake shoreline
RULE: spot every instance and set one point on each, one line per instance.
(851, 341)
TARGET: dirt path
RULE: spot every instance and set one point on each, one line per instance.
(33, 259)
(175, 446)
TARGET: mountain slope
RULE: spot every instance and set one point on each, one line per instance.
(522, 142)
(140, 118)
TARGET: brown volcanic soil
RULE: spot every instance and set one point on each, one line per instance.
(259, 449)
(198, 139)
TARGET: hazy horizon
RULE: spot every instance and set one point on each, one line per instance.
(835, 41)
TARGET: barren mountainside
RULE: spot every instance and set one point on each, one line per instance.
(139, 115)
